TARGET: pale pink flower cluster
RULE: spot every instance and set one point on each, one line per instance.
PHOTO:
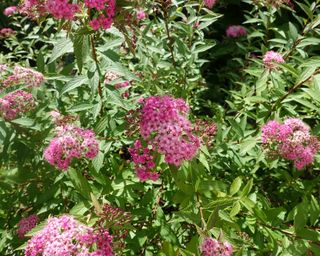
(66, 236)
(10, 10)
(106, 10)
(212, 247)
(291, 140)
(24, 76)
(71, 142)
(236, 31)
(272, 57)
(15, 103)
(166, 130)
(3, 67)
(26, 224)
(144, 162)
(209, 3)
(6, 32)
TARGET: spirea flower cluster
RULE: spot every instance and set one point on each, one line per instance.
(105, 12)
(23, 76)
(117, 221)
(291, 140)
(272, 57)
(144, 162)
(26, 224)
(71, 142)
(236, 31)
(66, 236)
(212, 247)
(209, 3)
(15, 103)
(166, 130)
(6, 32)
(101, 12)
(10, 10)
(59, 9)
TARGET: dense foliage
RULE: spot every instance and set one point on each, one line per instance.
(159, 127)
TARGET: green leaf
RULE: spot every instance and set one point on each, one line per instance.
(235, 186)
(300, 219)
(80, 183)
(74, 83)
(61, 47)
(235, 209)
(314, 210)
(81, 49)
(24, 121)
(306, 74)
(81, 107)
(246, 190)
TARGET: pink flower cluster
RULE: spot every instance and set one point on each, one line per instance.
(236, 31)
(32, 8)
(71, 142)
(24, 76)
(209, 3)
(144, 162)
(165, 128)
(61, 9)
(272, 57)
(6, 32)
(66, 236)
(290, 140)
(16, 103)
(212, 247)
(26, 224)
(141, 15)
(106, 10)
(10, 10)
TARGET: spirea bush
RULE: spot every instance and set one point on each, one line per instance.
(159, 127)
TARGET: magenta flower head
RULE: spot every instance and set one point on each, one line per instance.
(10, 10)
(164, 130)
(26, 224)
(209, 3)
(66, 236)
(291, 140)
(212, 247)
(235, 31)
(71, 142)
(141, 15)
(272, 57)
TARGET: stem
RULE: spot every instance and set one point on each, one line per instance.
(291, 90)
(95, 58)
(199, 203)
(169, 35)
